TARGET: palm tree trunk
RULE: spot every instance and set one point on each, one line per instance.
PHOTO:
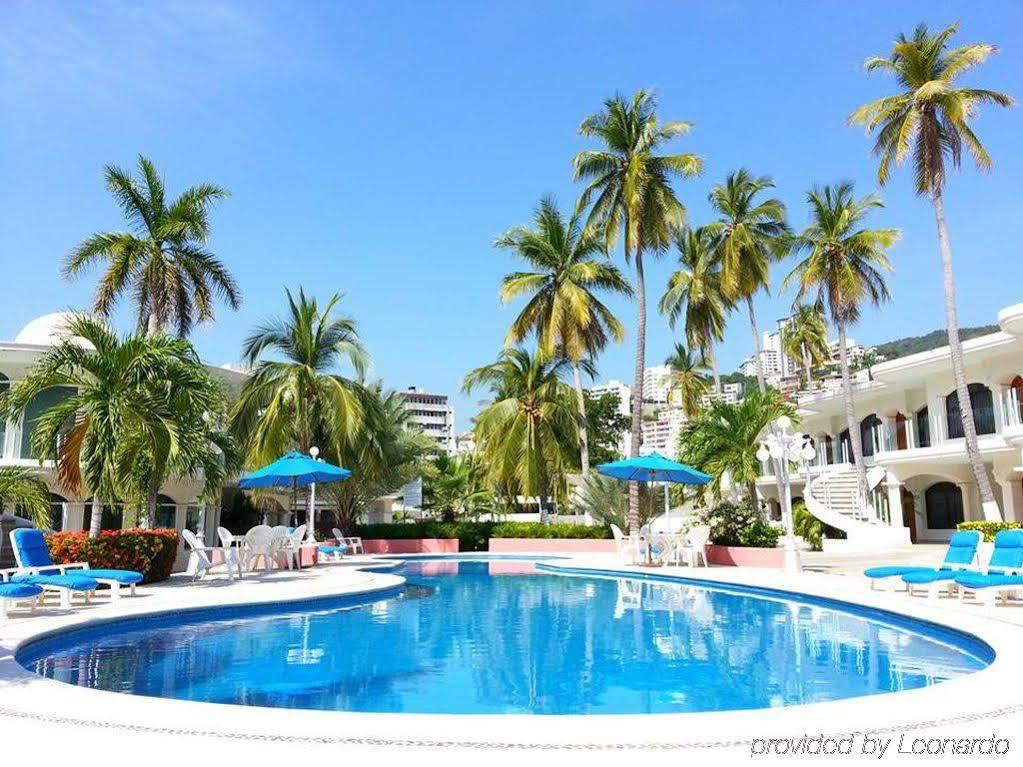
(152, 324)
(637, 387)
(751, 491)
(96, 518)
(584, 442)
(958, 368)
(850, 417)
(149, 512)
(756, 345)
(714, 367)
(806, 364)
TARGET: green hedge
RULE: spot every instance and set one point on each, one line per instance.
(474, 536)
(150, 552)
(988, 529)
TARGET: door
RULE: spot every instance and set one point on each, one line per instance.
(900, 432)
(909, 514)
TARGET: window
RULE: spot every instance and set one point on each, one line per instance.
(845, 447)
(923, 427)
(42, 402)
(983, 411)
(57, 511)
(944, 502)
(112, 517)
(165, 512)
(867, 426)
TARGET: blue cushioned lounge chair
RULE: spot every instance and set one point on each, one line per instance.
(1001, 577)
(1006, 559)
(32, 555)
(962, 553)
(12, 593)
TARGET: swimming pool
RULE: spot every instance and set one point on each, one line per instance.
(508, 636)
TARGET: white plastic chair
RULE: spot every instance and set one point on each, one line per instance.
(259, 543)
(352, 545)
(293, 548)
(696, 545)
(625, 546)
(200, 557)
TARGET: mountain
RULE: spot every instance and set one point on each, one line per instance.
(902, 347)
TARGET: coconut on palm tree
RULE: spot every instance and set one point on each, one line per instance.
(751, 233)
(563, 310)
(805, 337)
(526, 432)
(163, 261)
(687, 379)
(629, 192)
(843, 268)
(696, 292)
(928, 119)
(296, 395)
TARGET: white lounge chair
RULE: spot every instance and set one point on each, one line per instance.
(201, 557)
(352, 544)
(11, 594)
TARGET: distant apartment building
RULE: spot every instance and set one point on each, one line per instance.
(656, 384)
(615, 386)
(731, 393)
(433, 414)
(661, 434)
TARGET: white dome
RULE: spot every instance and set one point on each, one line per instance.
(47, 330)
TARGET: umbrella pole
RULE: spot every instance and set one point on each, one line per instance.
(311, 532)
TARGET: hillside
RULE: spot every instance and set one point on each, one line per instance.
(902, 347)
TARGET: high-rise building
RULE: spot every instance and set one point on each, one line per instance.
(656, 383)
(433, 414)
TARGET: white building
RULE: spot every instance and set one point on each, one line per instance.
(433, 414)
(731, 393)
(907, 411)
(656, 383)
(615, 386)
(661, 434)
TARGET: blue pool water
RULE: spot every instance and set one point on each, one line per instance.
(504, 636)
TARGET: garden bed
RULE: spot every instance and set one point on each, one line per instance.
(745, 556)
(410, 545)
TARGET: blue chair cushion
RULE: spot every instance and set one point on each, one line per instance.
(929, 576)
(125, 577)
(962, 547)
(890, 571)
(1008, 551)
(332, 549)
(73, 582)
(30, 546)
(19, 590)
(981, 581)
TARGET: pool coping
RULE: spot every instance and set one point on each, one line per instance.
(987, 693)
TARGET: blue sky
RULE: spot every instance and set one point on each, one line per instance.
(378, 149)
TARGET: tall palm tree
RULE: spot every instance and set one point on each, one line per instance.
(299, 397)
(527, 430)
(455, 486)
(929, 118)
(751, 233)
(696, 293)
(630, 187)
(563, 310)
(687, 379)
(843, 268)
(805, 337)
(23, 490)
(723, 439)
(162, 261)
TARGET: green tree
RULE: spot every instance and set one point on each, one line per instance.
(750, 234)
(805, 337)
(24, 491)
(630, 187)
(696, 292)
(687, 379)
(843, 268)
(605, 500)
(929, 119)
(724, 438)
(605, 424)
(455, 487)
(163, 262)
(298, 398)
(563, 309)
(528, 431)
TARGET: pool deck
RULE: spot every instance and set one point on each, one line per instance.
(991, 697)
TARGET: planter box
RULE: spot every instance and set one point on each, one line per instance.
(552, 545)
(410, 546)
(745, 556)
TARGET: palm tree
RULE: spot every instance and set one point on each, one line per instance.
(687, 379)
(696, 292)
(805, 337)
(163, 261)
(929, 118)
(23, 490)
(630, 190)
(299, 397)
(723, 439)
(525, 433)
(563, 310)
(844, 267)
(455, 486)
(751, 233)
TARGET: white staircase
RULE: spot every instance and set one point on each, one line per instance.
(834, 498)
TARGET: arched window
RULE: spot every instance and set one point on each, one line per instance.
(923, 427)
(166, 512)
(944, 502)
(867, 427)
(983, 411)
(42, 402)
(845, 446)
(57, 511)
(112, 517)
(829, 448)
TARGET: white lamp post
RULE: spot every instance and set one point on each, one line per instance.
(311, 531)
(782, 446)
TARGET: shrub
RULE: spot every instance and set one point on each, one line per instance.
(988, 529)
(150, 552)
(737, 525)
(811, 529)
(474, 536)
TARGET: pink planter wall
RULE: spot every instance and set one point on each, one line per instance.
(745, 556)
(555, 545)
(411, 546)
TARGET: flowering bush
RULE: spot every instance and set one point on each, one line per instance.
(988, 529)
(150, 552)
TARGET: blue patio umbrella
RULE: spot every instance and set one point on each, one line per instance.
(293, 470)
(654, 468)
